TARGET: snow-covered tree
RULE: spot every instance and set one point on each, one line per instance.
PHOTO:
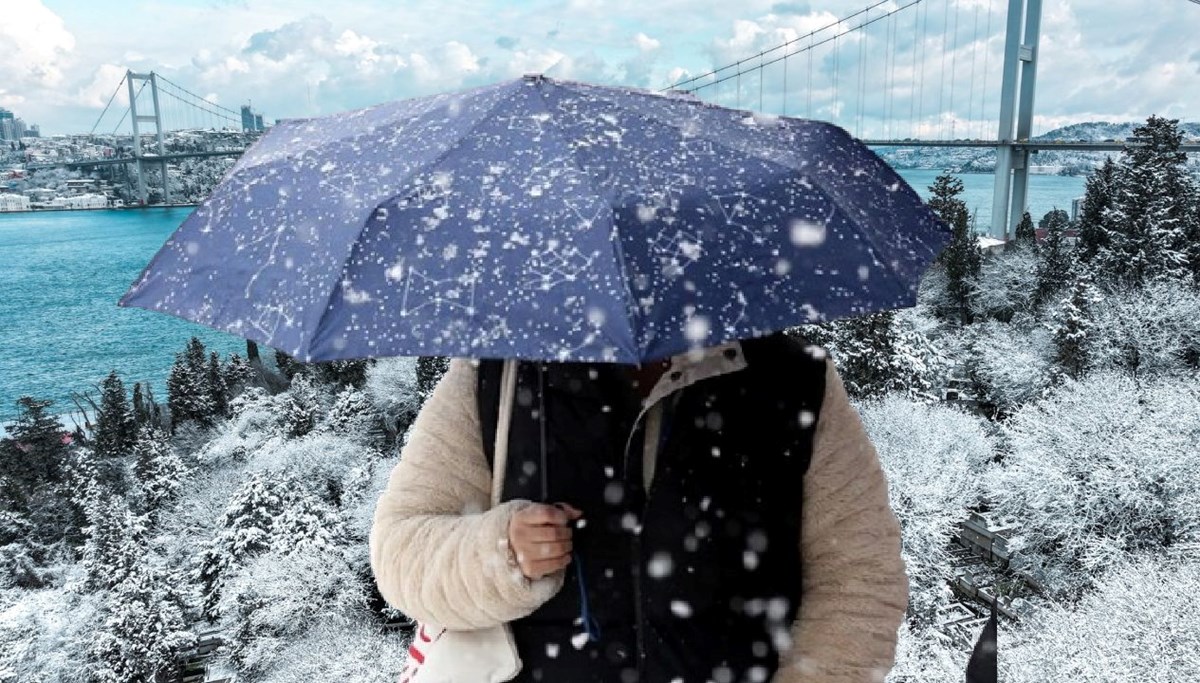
(1024, 235)
(239, 374)
(933, 457)
(1148, 225)
(115, 540)
(1073, 336)
(392, 385)
(1101, 469)
(303, 406)
(1006, 285)
(1139, 624)
(961, 259)
(218, 389)
(277, 597)
(429, 371)
(188, 394)
(115, 426)
(1149, 331)
(287, 365)
(354, 415)
(144, 629)
(1055, 257)
(1009, 365)
(1097, 198)
(159, 470)
(877, 354)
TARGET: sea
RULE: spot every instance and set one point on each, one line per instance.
(62, 272)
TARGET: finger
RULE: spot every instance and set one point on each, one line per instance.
(546, 551)
(542, 514)
(545, 533)
(536, 569)
(572, 511)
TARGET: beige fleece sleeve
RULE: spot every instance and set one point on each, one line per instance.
(438, 554)
(855, 588)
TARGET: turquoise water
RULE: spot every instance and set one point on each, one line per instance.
(61, 274)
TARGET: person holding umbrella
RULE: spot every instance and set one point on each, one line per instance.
(642, 479)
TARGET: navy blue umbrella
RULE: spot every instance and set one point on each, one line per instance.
(542, 219)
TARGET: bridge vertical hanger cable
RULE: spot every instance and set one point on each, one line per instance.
(834, 109)
(987, 52)
(971, 93)
(889, 76)
(953, 71)
(887, 43)
(761, 73)
(808, 93)
(861, 75)
(921, 100)
(942, 75)
(785, 83)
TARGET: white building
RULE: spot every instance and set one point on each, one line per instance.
(14, 202)
(79, 201)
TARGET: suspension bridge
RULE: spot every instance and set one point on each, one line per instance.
(915, 97)
(165, 106)
(897, 73)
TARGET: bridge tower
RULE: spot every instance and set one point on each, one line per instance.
(156, 119)
(1016, 110)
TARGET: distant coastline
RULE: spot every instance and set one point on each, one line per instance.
(135, 207)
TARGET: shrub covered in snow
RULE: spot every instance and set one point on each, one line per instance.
(1101, 469)
(1140, 624)
(1149, 331)
(933, 457)
(1009, 364)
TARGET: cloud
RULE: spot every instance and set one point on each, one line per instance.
(35, 48)
(645, 43)
(507, 42)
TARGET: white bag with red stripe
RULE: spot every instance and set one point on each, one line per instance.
(486, 655)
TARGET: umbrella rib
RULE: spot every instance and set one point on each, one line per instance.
(432, 162)
(614, 237)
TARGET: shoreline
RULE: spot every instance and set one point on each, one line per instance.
(109, 208)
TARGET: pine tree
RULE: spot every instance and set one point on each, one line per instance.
(114, 540)
(34, 454)
(1054, 262)
(302, 407)
(962, 257)
(1025, 235)
(1097, 198)
(245, 530)
(353, 414)
(1148, 224)
(1073, 331)
(239, 374)
(218, 390)
(159, 470)
(287, 365)
(429, 372)
(188, 394)
(144, 629)
(116, 426)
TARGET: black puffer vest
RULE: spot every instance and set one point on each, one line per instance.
(699, 579)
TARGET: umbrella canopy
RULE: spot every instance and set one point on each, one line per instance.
(542, 219)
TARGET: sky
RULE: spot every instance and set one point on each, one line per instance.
(931, 69)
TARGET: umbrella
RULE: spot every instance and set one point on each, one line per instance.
(542, 219)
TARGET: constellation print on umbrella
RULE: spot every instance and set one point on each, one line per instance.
(556, 264)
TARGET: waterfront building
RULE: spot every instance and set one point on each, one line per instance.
(14, 202)
(82, 201)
